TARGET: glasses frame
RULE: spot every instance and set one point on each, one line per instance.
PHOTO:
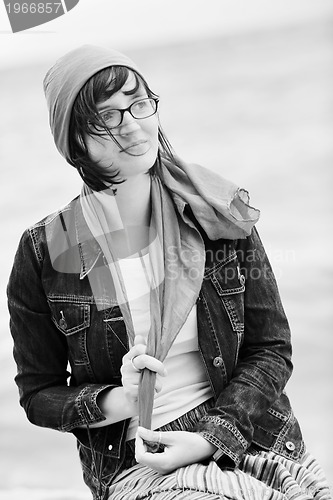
(129, 109)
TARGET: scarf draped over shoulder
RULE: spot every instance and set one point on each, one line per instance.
(220, 208)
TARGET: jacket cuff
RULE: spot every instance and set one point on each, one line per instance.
(230, 443)
(87, 407)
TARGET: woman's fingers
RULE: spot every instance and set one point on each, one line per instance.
(138, 339)
(157, 461)
(139, 347)
(135, 351)
(136, 359)
(159, 437)
(145, 361)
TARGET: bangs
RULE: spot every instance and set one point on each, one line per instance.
(111, 80)
(98, 89)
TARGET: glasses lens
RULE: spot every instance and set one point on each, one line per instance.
(144, 108)
(111, 117)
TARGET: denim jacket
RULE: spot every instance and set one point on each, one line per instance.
(57, 322)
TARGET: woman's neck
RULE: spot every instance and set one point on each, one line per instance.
(133, 200)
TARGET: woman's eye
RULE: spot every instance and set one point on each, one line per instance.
(108, 116)
(141, 104)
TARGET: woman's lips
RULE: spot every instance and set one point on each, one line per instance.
(136, 148)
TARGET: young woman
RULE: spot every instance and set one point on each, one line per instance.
(154, 288)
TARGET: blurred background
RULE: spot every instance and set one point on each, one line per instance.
(246, 90)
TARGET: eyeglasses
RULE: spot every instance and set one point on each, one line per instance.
(112, 118)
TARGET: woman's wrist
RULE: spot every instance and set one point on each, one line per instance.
(115, 406)
(207, 447)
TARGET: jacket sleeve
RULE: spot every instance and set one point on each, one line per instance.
(264, 362)
(40, 351)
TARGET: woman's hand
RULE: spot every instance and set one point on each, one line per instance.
(133, 362)
(181, 448)
(120, 403)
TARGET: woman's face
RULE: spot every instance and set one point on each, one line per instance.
(138, 138)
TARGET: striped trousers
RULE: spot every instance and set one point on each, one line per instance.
(260, 476)
(265, 476)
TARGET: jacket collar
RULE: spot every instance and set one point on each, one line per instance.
(89, 249)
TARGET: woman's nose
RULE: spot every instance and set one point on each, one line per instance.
(129, 124)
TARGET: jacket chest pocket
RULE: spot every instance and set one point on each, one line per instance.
(73, 320)
(229, 284)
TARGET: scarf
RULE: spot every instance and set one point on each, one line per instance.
(219, 206)
(221, 209)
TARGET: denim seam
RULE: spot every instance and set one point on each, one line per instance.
(284, 430)
(83, 272)
(67, 298)
(71, 426)
(76, 299)
(94, 396)
(110, 320)
(227, 291)
(33, 237)
(80, 401)
(121, 442)
(83, 349)
(224, 423)
(220, 445)
(222, 367)
(216, 267)
(277, 414)
(237, 326)
(281, 436)
(112, 331)
(93, 399)
(50, 218)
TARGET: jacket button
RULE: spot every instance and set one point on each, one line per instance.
(62, 323)
(218, 361)
(110, 447)
(290, 446)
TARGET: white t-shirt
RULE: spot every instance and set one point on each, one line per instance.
(186, 384)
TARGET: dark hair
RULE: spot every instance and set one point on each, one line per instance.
(99, 88)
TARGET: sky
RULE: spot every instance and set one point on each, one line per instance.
(133, 23)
